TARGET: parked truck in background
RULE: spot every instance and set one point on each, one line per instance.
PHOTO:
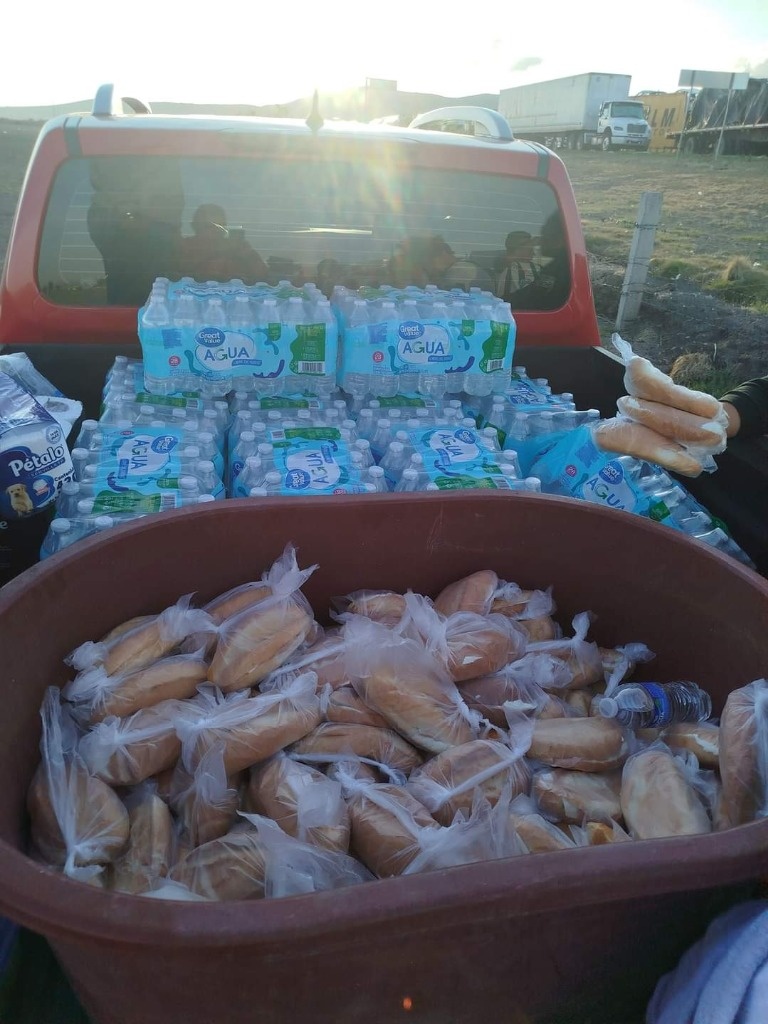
(734, 123)
(665, 113)
(579, 111)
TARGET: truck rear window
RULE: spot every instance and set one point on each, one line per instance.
(113, 224)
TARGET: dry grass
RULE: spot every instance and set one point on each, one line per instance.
(712, 216)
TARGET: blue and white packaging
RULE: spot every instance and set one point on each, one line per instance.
(34, 457)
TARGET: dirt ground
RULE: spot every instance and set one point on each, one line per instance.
(710, 213)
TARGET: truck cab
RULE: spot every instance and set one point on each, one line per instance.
(623, 124)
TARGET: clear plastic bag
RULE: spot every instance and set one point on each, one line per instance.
(149, 855)
(467, 644)
(579, 656)
(660, 796)
(447, 783)
(96, 695)
(77, 821)
(250, 728)
(398, 678)
(337, 741)
(126, 751)
(516, 682)
(202, 796)
(744, 755)
(304, 802)
(150, 640)
(384, 606)
(536, 833)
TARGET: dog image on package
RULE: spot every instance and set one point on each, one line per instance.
(34, 457)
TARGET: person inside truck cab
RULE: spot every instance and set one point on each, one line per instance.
(552, 284)
(215, 252)
(518, 266)
(431, 260)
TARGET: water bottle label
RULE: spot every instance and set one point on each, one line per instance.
(181, 401)
(431, 346)
(287, 402)
(140, 453)
(264, 352)
(662, 705)
(458, 458)
(140, 500)
(407, 402)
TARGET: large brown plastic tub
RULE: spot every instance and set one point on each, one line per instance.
(590, 927)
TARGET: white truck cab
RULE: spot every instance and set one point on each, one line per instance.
(622, 123)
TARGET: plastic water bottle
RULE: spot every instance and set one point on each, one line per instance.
(273, 482)
(266, 453)
(80, 457)
(409, 481)
(208, 478)
(56, 538)
(189, 490)
(358, 385)
(363, 445)
(394, 461)
(87, 429)
(244, 448)
(647, 705)
(69, 495)
(375, 476)
(204, 499)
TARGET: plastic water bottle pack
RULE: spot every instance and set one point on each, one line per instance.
(522, 396)
(209, 338)
(310, 456)
(568, 462)
(423, 340)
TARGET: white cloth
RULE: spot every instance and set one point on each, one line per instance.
(723, 978)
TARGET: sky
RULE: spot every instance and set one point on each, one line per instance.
(268, 51)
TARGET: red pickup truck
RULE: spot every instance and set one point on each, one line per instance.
(111, 200)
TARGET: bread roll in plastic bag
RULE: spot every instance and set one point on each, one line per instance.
(579, 656)
(257, 859)
(659, 797)
(77, 821)
(576, 797)
(692, 432)
(643, 380)
(447, 783)
(344, 705)
(743, 755)
(96, 695)
(387, 824)
(304, 802)
(203, 797)
(625, 437)
(149, 854)
(384, 606)
(398, 678)
(262, 637)
(147, 642)
(583, 744)
(466, 644)
(536, 833)
(471, 594)
(489, 694)
(336, 741)
(532, 610)
(126, 751)
(620, 662)
(251, 729)
(324, 656)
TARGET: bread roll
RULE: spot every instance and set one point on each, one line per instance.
(488, 695)
(575, 797)
(257, 641)
(386, 821)
(600, 834)
(234, 601)
(75, 818)
(126, 751)
(658, 801)
(447, 783)
(150, 846)
(540, 629)
(701, 738)
(472, 594)
(251, 728)
(204, 799)
(628, 438)
(170, 678)
(126, 627)
(305, 803)
(580, 701)
(680, 426)
(643, 380)
(478, 646)
(742, 757)
(382, 606)
(230, 868)
(584, 744)
(539, 835)
(346, 707)
(381, 745)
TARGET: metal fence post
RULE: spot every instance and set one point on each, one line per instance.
(648, 216)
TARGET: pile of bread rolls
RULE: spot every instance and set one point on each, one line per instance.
(241, 750)
(663, 422)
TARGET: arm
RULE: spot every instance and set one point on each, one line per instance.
(747, 408)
